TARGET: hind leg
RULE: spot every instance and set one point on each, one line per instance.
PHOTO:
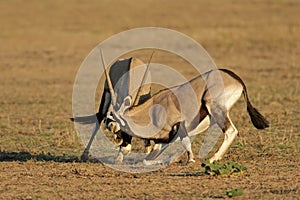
(230, 134)
(219, 113)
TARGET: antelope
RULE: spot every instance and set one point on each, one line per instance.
(171, 117)
(119, 73)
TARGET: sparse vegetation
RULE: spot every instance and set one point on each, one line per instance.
(227, 168)
(234, 192)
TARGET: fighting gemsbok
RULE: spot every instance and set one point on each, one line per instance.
(174, 112)
(124, 77)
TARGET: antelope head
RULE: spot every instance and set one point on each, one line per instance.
(114, 119)
(117, 116)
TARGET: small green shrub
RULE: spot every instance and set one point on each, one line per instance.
(234, 192)
(227, 168)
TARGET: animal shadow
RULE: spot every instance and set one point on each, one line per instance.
(24, 156)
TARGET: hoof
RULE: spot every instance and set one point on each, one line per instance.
(119, 159)
(213, 159)
(85, 156)
(191, 161)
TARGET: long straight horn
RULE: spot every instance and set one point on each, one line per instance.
(143, 80)
(110, 86)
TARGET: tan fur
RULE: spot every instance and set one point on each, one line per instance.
(185, 107)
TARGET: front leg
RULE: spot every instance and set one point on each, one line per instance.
(148, 147)
(186, 142)
(122, 150)
(85, 155)
(158, 149)
(120, 156)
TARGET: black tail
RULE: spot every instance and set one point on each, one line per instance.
(257, 119)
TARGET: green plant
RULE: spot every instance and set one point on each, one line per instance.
(227, 168)
(234, 192)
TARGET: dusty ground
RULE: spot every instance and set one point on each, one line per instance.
(42, 45)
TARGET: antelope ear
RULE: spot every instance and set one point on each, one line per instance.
(127, 102)
(125, 105)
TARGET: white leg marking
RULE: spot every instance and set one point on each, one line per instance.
(148, 149)
(203, 126)
(230, 134)
(157, 147)
(120, 157)
(127, 149)
(186, 142)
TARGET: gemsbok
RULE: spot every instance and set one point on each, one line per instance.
(124, 82)
(174, 112)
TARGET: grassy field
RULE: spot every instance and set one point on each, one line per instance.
(42, 45)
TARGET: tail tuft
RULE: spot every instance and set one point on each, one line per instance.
(259, 121)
